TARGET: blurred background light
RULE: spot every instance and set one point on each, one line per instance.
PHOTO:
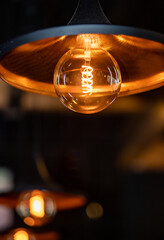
(36, 208)
(6, 180)
(20, 234)
(6, 184)
(6, 218)
(94, 210)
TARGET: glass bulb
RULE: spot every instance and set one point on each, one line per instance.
(87, 79)
(36, 207)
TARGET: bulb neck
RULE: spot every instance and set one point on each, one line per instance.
(87, 41)
(89, 12)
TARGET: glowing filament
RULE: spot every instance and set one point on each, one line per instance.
(37, 206)
(87, 79)
(21, 235)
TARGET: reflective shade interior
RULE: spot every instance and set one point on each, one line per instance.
(31, 66)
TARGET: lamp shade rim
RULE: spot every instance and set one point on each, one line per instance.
(69, 30)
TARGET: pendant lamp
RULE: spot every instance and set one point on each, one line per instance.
(87, 63)
(38, 207)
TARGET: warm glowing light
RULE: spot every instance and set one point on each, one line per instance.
(94, 210)
(37, 206)
(87, 78)
(21, 235)
(29, 221)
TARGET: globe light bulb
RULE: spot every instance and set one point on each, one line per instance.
(36, 207)
(87, 79)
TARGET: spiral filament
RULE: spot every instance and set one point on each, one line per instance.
(87, 79)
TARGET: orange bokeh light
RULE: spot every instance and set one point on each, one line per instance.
(37, 207)
(21, 235)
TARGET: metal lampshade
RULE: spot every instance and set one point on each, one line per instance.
(28, 62)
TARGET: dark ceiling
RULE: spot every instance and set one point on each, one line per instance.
(115, 158)
(22, 16)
